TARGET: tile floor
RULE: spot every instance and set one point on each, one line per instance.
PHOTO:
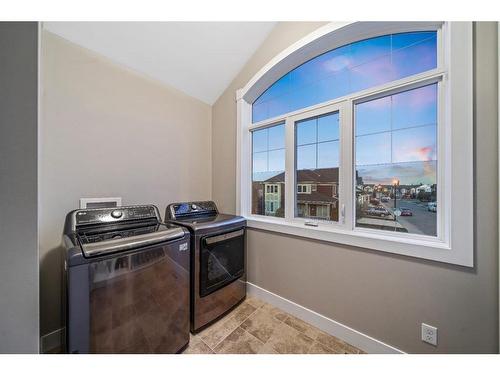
(255, 327)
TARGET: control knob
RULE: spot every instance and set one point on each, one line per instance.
(116, 214)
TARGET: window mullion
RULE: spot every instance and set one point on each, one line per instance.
(289, 169)
(347, 186)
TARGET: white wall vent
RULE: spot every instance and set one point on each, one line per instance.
(100, 202)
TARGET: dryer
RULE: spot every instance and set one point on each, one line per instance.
(218, 272)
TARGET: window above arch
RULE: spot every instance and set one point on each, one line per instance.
(348, 69)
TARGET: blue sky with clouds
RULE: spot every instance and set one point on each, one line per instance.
(348, 69)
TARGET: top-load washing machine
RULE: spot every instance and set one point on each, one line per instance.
(126, 282)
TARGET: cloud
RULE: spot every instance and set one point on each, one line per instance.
(337, 63)
(417, 98)
(406, 173)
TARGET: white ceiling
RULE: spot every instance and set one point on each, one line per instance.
(198, 58)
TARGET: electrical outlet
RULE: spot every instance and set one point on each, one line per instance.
(429, 334)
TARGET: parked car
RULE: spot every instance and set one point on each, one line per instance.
(406, 211)
(385, 199)
(378, 211)
(374, 201)
(432, 207)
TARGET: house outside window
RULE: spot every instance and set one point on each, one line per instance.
(268, 165)
(317, 162)
(356, 136)
(272, 199)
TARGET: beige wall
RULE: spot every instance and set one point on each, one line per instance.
(385, 296)
(106, 131)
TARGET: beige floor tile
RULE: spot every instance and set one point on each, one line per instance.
(302, 326)
(258, 327)
(261, 324)
(274, 311)
(241, 312)
(267, 349)
(239, 342)
(318, 348)
(349, 349)
(336, 344)
(287, 340)
(218, 331)
(197, 346)
(255, 302)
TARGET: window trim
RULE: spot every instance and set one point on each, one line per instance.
(442, 133)
(290, 212)
(455, 150)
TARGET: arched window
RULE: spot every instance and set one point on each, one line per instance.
(353, 67)
(363, 131)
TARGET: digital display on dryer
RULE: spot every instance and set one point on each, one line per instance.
(181, 209)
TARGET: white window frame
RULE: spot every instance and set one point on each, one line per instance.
(454, 243)
(290, 213)
(304, 188)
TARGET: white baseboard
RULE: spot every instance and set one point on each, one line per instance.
(51, 341)
(351, 336)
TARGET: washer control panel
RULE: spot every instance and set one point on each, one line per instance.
(109, 215)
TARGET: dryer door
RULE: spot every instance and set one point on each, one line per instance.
(222, 260)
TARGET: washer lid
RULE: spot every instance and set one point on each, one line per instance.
(209, 222)
(117, 244)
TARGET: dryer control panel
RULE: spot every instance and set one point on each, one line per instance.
(190, 209)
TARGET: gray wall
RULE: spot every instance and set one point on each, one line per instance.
(107, 131)
(18, 187)
(382, 295)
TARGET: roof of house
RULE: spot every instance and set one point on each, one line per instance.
(325, 175)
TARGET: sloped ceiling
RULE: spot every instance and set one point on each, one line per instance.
(198, 58)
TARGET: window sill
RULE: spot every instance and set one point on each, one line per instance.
(425, 248)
